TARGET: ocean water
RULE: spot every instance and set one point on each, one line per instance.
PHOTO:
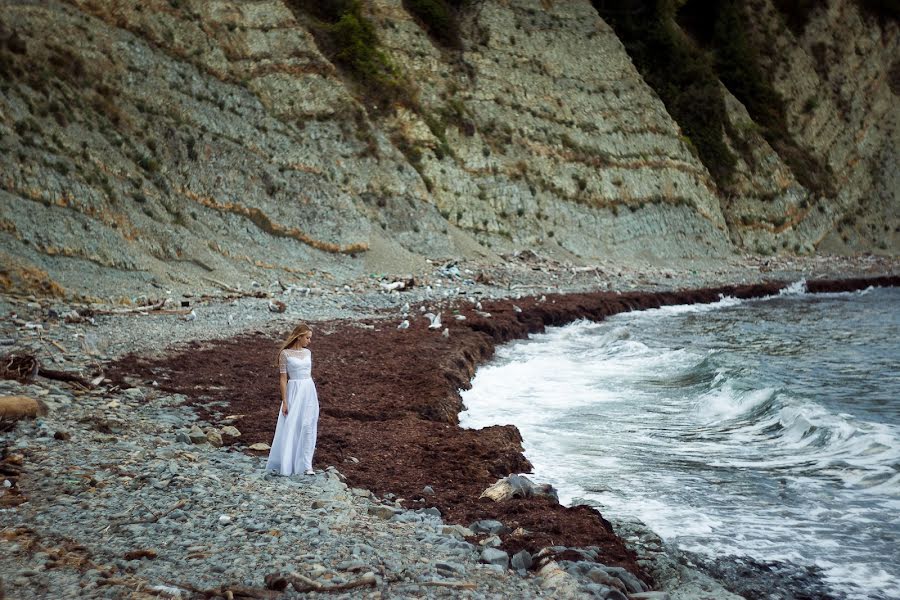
(766, 428)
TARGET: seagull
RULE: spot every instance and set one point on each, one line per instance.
(446, 332)
(460, 317)
(478, 306)
(403, 325)
(516, 308)
(190, 316)
(435, 320)
(405, 308)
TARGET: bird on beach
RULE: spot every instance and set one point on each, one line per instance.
(403, 325)
(446, 332)
(435, 320)
(190, 316)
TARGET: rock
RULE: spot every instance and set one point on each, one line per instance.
(649, 596)
(13, 408)
(428, 490)
(450, 568)
(183, 437)
(517, 486)
(493, 556)
(556, 579)
(489, 526)
(196, 435)
(631, 582)
(598, 575)
(521, 560)
(456, 531)
(492, 541)
(62, 436)
(214, 438)
(224, 519)
(383, 512)
(260, 446)
(231, 431)
(277, 306)
(134, 393)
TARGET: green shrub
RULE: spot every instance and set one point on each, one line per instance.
(680, 73)
(796, 13)
(882, 9)
(439, 19)
(349, 40)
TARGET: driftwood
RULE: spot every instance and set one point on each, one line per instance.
(463, 585)
(229, 592)
(147, 309)
(63, 376)
(21, 367)
(278, 581)
(135, 309)
(156, 517)
(25, 367)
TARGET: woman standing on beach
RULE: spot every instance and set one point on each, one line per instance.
(295, 434)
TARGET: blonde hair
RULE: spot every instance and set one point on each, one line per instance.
(299, 330)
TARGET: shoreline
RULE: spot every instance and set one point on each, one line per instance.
(236, 336)
(374, 438)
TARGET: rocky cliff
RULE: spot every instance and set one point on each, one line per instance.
(162, 142)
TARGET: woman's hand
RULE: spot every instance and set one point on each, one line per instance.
(284, 408)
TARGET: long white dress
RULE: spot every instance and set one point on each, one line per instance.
(295, 434)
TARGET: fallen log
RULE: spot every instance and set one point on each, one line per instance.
(302, 584)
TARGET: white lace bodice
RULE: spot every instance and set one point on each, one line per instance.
(296, 363)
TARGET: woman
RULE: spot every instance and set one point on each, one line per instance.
(295, 434)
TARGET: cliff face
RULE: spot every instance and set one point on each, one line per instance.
(838, 78)
(164, 141)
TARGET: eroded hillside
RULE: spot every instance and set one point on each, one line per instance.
(167, 141)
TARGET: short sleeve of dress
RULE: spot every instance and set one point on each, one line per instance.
(282, 362)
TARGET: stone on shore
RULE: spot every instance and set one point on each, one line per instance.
(521, 561)
(231, 431)
(214, 438)
(489, 526)
(518, 486)
(495, 556)
(196, 435)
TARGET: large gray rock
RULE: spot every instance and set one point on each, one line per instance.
(631, 582)
(495, 556)
(521, 560)
(489, 526)
(518, 486)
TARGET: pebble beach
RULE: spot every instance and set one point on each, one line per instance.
(129, 485)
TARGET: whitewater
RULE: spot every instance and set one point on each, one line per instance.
(765, 428)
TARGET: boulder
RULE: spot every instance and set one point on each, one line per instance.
(196, 435)
(489, 526)
(214, 437)
(518, 486)
(494, 556)
(521, 561)
(231, 431)
(383, 512)
(13, 408)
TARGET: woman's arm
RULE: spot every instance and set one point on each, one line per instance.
(284, 380)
